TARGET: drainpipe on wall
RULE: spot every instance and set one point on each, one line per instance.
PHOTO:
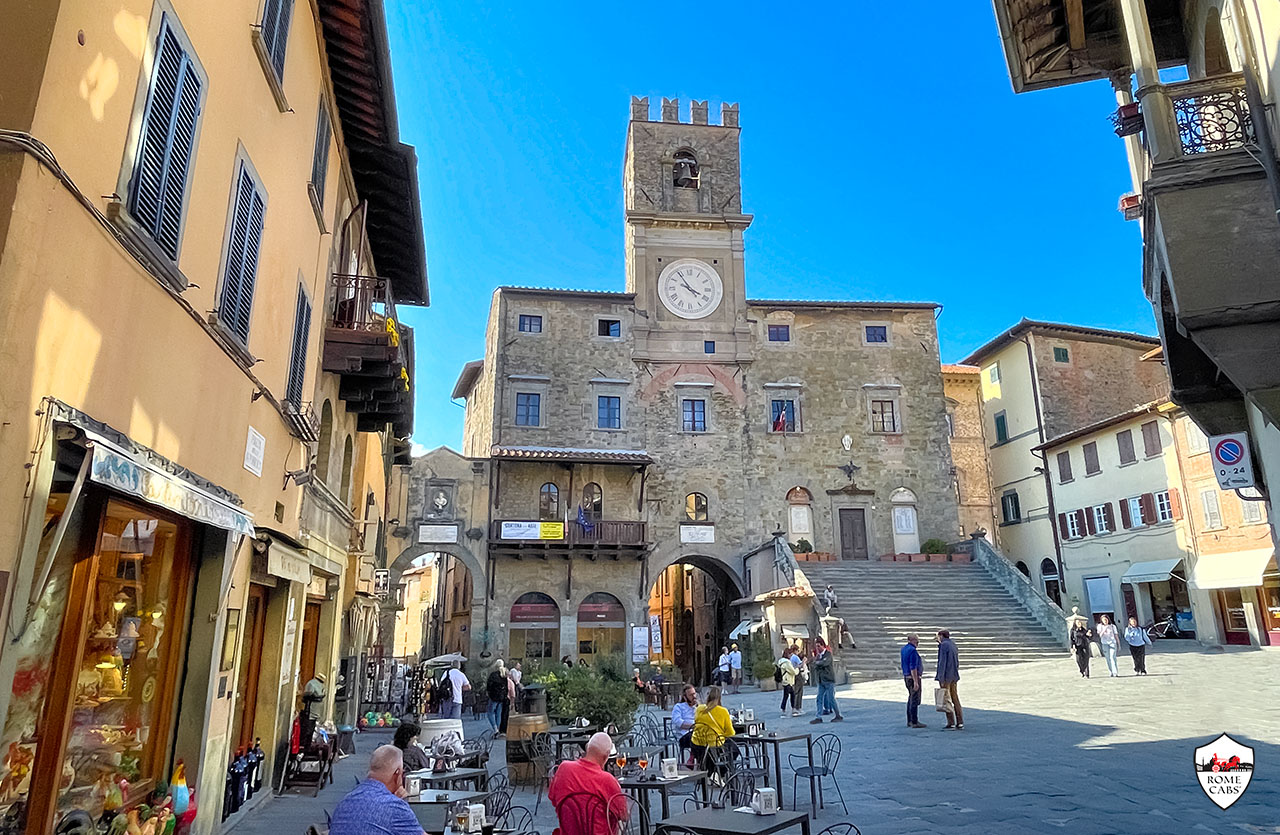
(1044, 470)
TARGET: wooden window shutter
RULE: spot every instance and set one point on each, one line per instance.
(298, 356)
(1082, 521)
(1091, 458)
(166, 144)
(1151, 438)
(1147, 501)
(1125, 519)
(320, 157)
(1062, 525)
(1175, 503)
(1064, 466)
(242, 256)
(1089, 524)
(276, 18)
(1124, 442)
(1110, 515)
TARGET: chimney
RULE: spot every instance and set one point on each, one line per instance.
(698, 112)
(729, 115)
(640, 108)
(670, 110)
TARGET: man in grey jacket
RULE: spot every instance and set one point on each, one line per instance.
(824, 668)
(948, 676)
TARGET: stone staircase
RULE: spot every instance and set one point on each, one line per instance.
(883, 602)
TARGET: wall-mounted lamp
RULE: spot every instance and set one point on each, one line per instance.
(300, 477)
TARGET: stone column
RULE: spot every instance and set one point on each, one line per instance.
(1157, 111)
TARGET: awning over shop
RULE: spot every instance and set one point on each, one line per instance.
(115, 468)
(1154, 571)
(1237, 570)
(287, 562)
(745, 628)
(795, 631)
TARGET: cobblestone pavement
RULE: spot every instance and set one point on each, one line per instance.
(1043, 750)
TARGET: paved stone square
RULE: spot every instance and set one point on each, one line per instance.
(1042, 751)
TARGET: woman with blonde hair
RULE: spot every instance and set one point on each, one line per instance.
(712, 725)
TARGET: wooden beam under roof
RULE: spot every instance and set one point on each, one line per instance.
(1075, 24)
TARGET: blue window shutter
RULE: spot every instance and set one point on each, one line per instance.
(242, 256)
(167, 142)
(276, 17)
(298, 358)
(320, 159)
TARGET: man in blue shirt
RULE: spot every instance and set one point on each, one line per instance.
(682, 717)
(377, 805)
(912, 670)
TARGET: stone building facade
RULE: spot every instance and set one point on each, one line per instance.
(619, 433)
(963, 389)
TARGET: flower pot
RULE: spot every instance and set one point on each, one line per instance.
(767, 684)
(961, 558)
(918, 557)
(937, 557)
(888, 557)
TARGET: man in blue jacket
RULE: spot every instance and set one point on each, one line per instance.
(912, 671)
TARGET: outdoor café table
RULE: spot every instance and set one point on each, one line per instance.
(641, 788)
(776, 742)
(570, 730)
(728, 822)
(478, 777)
(563, 742)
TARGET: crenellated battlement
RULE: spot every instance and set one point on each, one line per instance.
(670, 112)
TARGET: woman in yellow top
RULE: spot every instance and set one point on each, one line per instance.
(712, 725)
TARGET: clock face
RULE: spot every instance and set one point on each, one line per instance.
(690, 288)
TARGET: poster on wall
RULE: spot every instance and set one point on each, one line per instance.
(655, 634)
(639, 644)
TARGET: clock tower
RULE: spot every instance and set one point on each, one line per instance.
(682, 189)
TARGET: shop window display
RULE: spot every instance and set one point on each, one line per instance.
(118, 609)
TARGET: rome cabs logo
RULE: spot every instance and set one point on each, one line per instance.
(1224, 768)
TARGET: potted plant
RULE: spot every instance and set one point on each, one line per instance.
(764, 675)
(935, 550)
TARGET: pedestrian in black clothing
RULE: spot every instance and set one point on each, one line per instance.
(1080, 645)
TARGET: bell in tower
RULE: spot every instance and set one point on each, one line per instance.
(685, 170)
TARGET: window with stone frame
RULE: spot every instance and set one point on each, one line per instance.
(549, 502)
(528, 408)
(779, 333)
(530, 323)
(783, 416)
(1010, 509)
(608, 412)
(695, 507)
(884, 416)
(1073, 526)
(693, 414)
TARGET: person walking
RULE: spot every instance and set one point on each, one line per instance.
(1138, 640)
(723, 668)
(1109, 640)
(517, 676)
(495, 688)
(825, 668)
(912, 675)
(455, 682)
(787, 678)
(948, 676)
(802, 678)
(1080, 635)
(735, 669)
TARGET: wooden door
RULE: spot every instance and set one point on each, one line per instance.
(853, 533)
(1235, 619)
(254, 623)
(310, 636)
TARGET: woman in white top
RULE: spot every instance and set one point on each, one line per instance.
(1109, 638)
(1136, 637)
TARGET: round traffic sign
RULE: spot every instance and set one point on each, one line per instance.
(1229, 451)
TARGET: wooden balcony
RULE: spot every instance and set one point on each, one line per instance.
(369, 348)
(607, 538)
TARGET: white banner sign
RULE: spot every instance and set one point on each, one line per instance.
(255, 449)
(639, 644)
(655, 634)
(697, 533)
(533, 530)
(440, 534)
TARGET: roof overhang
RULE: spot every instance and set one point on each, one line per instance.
(467, 379)
(385, 170)
(1015, 333)
(570, 455)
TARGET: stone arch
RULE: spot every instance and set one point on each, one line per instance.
(324, 446)
(348, 467)
(716, 566)
(479, 584)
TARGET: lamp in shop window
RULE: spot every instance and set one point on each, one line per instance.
(120, 602)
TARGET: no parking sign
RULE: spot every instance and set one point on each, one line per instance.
(1232, 463)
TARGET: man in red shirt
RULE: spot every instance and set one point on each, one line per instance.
(588, 799)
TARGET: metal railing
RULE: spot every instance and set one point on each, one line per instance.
(363, 303)
(302, 420)
(1211, 114)
(603, 532)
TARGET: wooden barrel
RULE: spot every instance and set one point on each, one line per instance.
(520, 727)
(432, 728)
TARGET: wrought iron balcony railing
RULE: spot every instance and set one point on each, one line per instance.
(1211, 114)
(363, 303)
(603, 532)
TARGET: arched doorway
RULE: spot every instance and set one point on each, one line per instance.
(690, 618)
(1049, 576)
(602, 627)
(535, 629)
(1022, 566)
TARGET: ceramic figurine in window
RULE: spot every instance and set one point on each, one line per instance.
(112, 680)
(152, 632)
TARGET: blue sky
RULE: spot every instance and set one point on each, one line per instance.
(876, 167)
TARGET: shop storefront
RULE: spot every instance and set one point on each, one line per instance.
(1158, 591)
(535, 629)
(602, 627)
(1242, 603)
(104, 664)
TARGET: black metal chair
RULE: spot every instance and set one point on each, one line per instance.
(841, 829)
(737, 791)
(750, 758)
(517, 820)
(827, 757)
(586, 812)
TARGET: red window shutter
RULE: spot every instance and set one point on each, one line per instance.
(1062, 525)
(1175, 503)
(1148, 504)
(1082, 517)
(1090, 525)
(1110, 516)
(1124, 514)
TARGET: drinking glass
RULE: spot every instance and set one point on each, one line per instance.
(621, 762)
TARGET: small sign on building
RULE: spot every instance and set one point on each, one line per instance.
(381, 583)
(1232, 461)
(255, 450)
(698, 533)
(533, 530)
(437, 534)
